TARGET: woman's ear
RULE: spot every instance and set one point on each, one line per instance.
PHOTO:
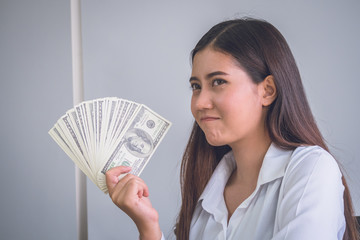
(268, 88)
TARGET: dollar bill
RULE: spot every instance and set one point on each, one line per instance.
(140, 140)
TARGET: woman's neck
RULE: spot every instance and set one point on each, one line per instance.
(249, 155)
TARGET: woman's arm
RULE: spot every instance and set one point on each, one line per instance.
(131, 194)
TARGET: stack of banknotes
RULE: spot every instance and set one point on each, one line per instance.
(104, 133)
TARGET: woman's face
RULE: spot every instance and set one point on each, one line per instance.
(225, 102)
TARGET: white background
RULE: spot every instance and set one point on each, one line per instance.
(140, 50)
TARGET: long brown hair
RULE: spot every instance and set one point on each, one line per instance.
(261, 50)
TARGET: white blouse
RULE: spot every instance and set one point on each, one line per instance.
(299, 195)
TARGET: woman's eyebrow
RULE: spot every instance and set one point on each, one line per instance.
(210, 75)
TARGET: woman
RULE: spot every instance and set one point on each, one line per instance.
(256, 165)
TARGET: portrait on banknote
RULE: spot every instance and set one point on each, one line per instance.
(138, 142)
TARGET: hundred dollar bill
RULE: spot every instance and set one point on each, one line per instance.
(141, 138)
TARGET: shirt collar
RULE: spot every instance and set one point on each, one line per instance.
(273, 167)
(274, 164)
(212, 199)
(220, 176)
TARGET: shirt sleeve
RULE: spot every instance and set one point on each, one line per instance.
(311, 198)
(162, 236)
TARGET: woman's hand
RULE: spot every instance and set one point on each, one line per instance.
(131, 194)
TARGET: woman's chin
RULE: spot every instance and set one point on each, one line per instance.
(215, 142)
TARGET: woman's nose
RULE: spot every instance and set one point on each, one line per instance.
(203, 100)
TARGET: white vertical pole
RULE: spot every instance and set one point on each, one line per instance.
(78, 96)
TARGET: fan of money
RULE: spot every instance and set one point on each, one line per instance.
(107, 132)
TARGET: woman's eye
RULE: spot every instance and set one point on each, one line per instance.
(195, 86)
(217, 82)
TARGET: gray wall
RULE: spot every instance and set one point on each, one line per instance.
(139, 50)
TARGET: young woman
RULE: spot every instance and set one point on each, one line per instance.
(256, 165)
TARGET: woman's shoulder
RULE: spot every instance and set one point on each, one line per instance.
(311, 189)
(314, 161)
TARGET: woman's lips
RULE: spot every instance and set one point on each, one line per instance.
(208, 119)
